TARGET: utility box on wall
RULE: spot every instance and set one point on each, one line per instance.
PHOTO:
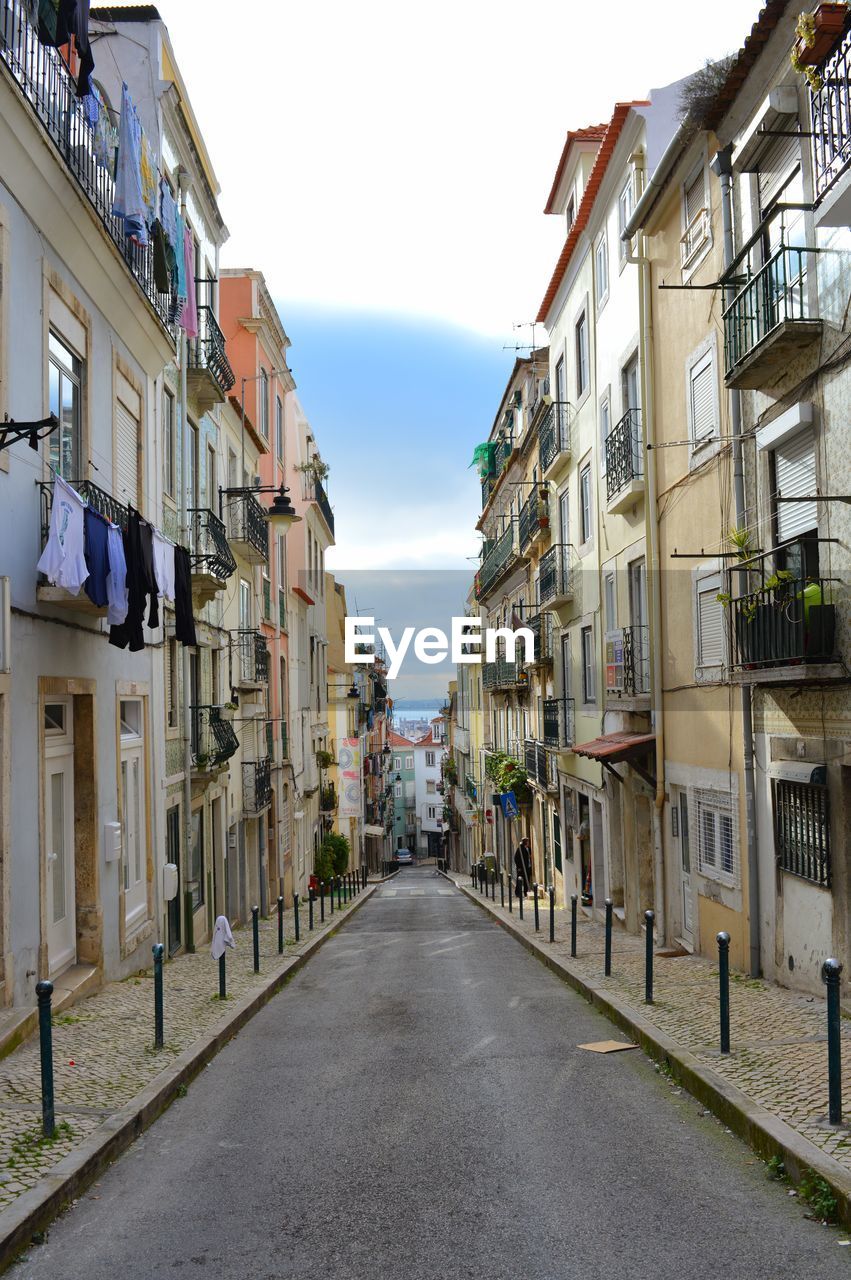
(112, 841)
(170, 881)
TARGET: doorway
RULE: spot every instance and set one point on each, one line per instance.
(61, 904)
(685, 871)
(172, 839)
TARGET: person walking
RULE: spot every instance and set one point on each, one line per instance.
(523, 865)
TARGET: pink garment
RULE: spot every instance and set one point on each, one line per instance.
(189, 314)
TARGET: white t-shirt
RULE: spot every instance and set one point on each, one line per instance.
(63, 560)
(164, 566)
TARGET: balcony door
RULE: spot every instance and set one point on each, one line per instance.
(59, 835)
(133, 825)
(638, 619)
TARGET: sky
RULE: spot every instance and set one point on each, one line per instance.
(386, 166)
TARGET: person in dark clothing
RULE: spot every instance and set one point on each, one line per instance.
(523, 865)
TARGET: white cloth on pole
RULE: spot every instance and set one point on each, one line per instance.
(63, 560)
(164, 566)
(222, 937)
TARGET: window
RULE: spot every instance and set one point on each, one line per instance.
(601, 267)
(279, 428)
(409, 762)
(605, 428)
(431, 787)
(709, 627)
(264, 404)
(65, 373)
(132, 799)
(397, 763)
(626, 205)
(713, 820)
(210, 479)
(581, 356)
(196, 860)
(570, 213)
(702, 384)
(802, 828)
(410, 789)
(54, 718)
(794, 467)
(564, 516)
(585, 509)
(557, 842)
(610, 602)
(589, 687)
(192, 467)
(169, 446)
(171, 683)
(430, 759)
(560, 393)
(397, 790)
(696, 224)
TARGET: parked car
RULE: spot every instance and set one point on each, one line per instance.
(404, 857)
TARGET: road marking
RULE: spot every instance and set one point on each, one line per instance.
(446, 893)
(477, 1048)
(388, 893)
(416, 893)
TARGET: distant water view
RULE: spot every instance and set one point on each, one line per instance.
(412, 711)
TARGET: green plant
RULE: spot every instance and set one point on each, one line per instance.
(323, 863)
(338, 849)
(776, 1169)
(315, 468)
(324, 759)
(508, 775)
(819, 1196)
(182, 1089)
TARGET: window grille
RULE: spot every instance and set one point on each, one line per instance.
(714, 829)
(802, 829)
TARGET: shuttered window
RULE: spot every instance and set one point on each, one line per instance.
(171, 683)
(710, 627)
(694, 199)
(776, 165)
(702, 400)
(128, 409)
(795, 476)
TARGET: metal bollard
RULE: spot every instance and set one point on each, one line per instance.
(537, 909)
(649, 921)
(158, 994)
(339, 894)
(255, 936)
(501, 889)
(310, 896)
(331, 894)
(44, 992)
(510, 895)
(830, 971)
(574, 901)
(223, 977)
(321, 901)
(723, 940)
(552, 894)
(473, 876)
(297, 921)
(607, 968)
(280, 926)
(520, 899)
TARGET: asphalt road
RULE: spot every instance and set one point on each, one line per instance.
(414, 1104)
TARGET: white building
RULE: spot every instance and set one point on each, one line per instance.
(428, 755)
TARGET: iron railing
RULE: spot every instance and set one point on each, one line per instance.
(777, 293)
(285, 742)
(282, 610)
(624, 453)
(541, 768)
(210, 549)
(267, 599)
(327, 798)
(256, 785)
(97, 498)
(48, 88)
(321, 499)
(489, 673)
(557, 578)
(246, 520)
(802, 829)
(471, 789)
(554, 433)
(213, 740)
(501, 556)
(636, 660)
(830, 113)
(488, 483)
(504, 446)
(784, 615)
(207, 351)
(558, 722)
(541, 626)
(251, 656)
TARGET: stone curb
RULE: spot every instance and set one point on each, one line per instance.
(766, 1134)
(36, 1208)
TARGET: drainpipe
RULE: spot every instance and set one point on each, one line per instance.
(185, 445)
(722, 167)
(651, 534)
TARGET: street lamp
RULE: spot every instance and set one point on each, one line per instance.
(280, 515)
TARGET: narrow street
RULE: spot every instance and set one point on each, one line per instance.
(435, 1117)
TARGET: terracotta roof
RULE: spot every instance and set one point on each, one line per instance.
(593, 133)
(396, 740)
(615, 746)
(758, 37)
(589, 195)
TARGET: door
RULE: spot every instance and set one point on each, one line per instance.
(638, 620)
(59, 835)
(685, 871)
(172, 836)
(133, 834)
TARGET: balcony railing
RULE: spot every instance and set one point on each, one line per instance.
(256, 785)
(830, 113)
(248, 529)
(471, 789)
(541, 626)
(210, 374)
(541, 768)
(250, 657)
(285, 742)
(558, 722)
(211, 553)
(48, 88)
(786, 617)
(624, 453)
(320, 497)
(627, 665)
(489, 671)
(213, 740)
(554, 434)
(770, 313)
(100, 501)
(499, 557)
(327, 798)
(557, 578)
(282, 610)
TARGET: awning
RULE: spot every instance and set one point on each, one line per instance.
(373, 831)
(616, 748)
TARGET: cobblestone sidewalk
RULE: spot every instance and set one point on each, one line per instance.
(103, 1047)
(778, 1038)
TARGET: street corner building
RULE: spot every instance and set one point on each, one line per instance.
(664, 503)
(170, 722)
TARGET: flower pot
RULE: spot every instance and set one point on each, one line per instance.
(829, 20)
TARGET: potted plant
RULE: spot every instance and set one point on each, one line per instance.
(227, 709)
(314, 468)
(324, 759)
(816, 34)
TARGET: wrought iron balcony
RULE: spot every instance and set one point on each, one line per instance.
(249, 657)
(558, 722)
(471, 789)
(46, 84)
(627, 665)
(213, 740)
(320, 497)
(489, 671)
(625, 459)
(248, 528)
(541, 626)
(327, 798)
(212, 559)
(508, 674)
(285, 742)
(830, 114)
(782, 627)
(541, 769)
(498, 559)
(557, 580)
(209, 373)
(554, 435)
(100, 501)
(769, 320)
(256, 785)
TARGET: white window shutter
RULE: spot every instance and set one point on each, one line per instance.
(795, 476)
(694, 199)
(126, 454)
(702, 397)
(710, 622)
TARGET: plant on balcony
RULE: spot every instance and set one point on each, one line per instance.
(314, 469)
(508, 775)
(450, 772)
(324, 759)
(816, 34)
